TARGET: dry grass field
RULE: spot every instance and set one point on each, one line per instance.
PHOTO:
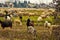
(20, 32)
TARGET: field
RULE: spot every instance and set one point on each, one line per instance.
(19, 32)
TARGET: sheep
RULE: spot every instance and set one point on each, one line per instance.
(39, 18)
(43, 16)
(17, 21)
(31, 13)
(47, 24)
(6, 24)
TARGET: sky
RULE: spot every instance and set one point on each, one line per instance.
(32, 1)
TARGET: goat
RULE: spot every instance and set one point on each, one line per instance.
(6, 24)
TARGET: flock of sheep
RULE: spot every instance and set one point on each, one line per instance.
(8, 22)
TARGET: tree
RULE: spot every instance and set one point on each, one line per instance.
(19, 4)
(56, 14)
(15, 3)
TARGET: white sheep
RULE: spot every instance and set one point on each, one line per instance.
(47, 24)
(39, 18)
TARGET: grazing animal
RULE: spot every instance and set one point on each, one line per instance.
(28, 22)
(39, 18)
(47, 24)
(6, 24)
(17, 21)
(31, 30)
